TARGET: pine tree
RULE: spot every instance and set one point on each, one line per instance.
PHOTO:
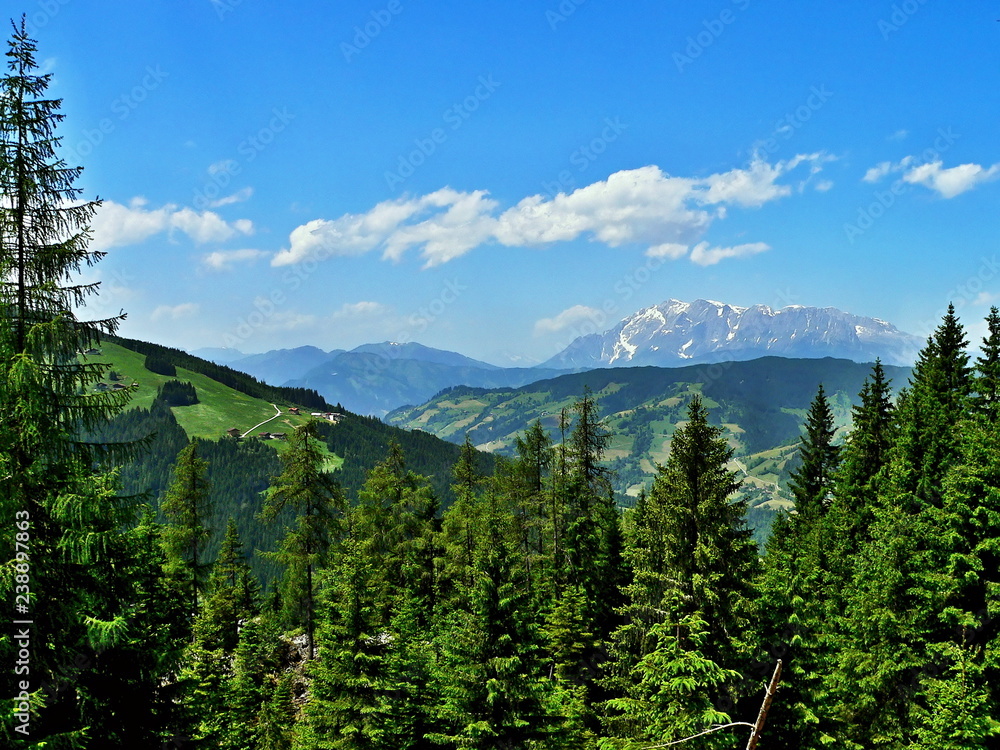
(459, 529)
(319, 503)
(493, 695)
(893, 606)
(794, 586)
(987, 377)
(56, 497)
(672, 697)
(347, 680)
(397, 516)
(693, 562)
(233, 596)
(187, 508)
(812, 482)
(928, 411)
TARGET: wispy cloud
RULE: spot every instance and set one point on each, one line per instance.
(568, 318)
(704, 255)
(117, 225)
(225, 260)
(640, 206)
(244, 194)
(175, 312)
(947, 182)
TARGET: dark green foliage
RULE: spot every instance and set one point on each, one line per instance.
(160, 365)
(187, 510)
(318, 503)
(986, 383)
(177, 393)
(689, 601)
(364, 441)
(101, 639)
(812, 482)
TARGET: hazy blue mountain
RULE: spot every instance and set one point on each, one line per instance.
(372, 382)
(279, 366)
(218, 355)
(675, 332)
(421, 353)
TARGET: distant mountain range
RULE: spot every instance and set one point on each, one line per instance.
(679, 333)
(378, 378)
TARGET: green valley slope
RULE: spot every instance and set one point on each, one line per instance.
(760, 404)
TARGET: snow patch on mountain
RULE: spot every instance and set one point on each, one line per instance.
(676, 332)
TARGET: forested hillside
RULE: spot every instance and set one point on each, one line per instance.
(165, 412)
(532, 612)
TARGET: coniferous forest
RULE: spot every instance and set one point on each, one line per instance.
(531, 612)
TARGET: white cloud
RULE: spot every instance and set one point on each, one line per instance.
(568, 318)
(244, 194)
(116, 225)
(877, 172)
(704, 255)
(175, 312)
(946, 182)
(824, 185)
(671, 250)
(953, 181)
(899, 135)
(355, 310)
(644, 205)
(225, 260)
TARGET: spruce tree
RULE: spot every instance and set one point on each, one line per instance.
(187, 508)
(56, 498)
(690, 598)
(794, 588)
(318, 501)
(492, 693)
(893, 607)
(987, 375)
(812, 482)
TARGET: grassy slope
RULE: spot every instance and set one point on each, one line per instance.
(219, 407)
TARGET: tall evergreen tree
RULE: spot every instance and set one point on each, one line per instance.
(792, 607)
(87, 563)
(187, 508)
(893, 608)
(493, 695)
(812, 482)
(319, 504)
(694, 564)
(987, 375)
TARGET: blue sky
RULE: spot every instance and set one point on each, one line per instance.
(496, 178)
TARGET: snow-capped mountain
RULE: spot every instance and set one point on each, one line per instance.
(676, 332)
